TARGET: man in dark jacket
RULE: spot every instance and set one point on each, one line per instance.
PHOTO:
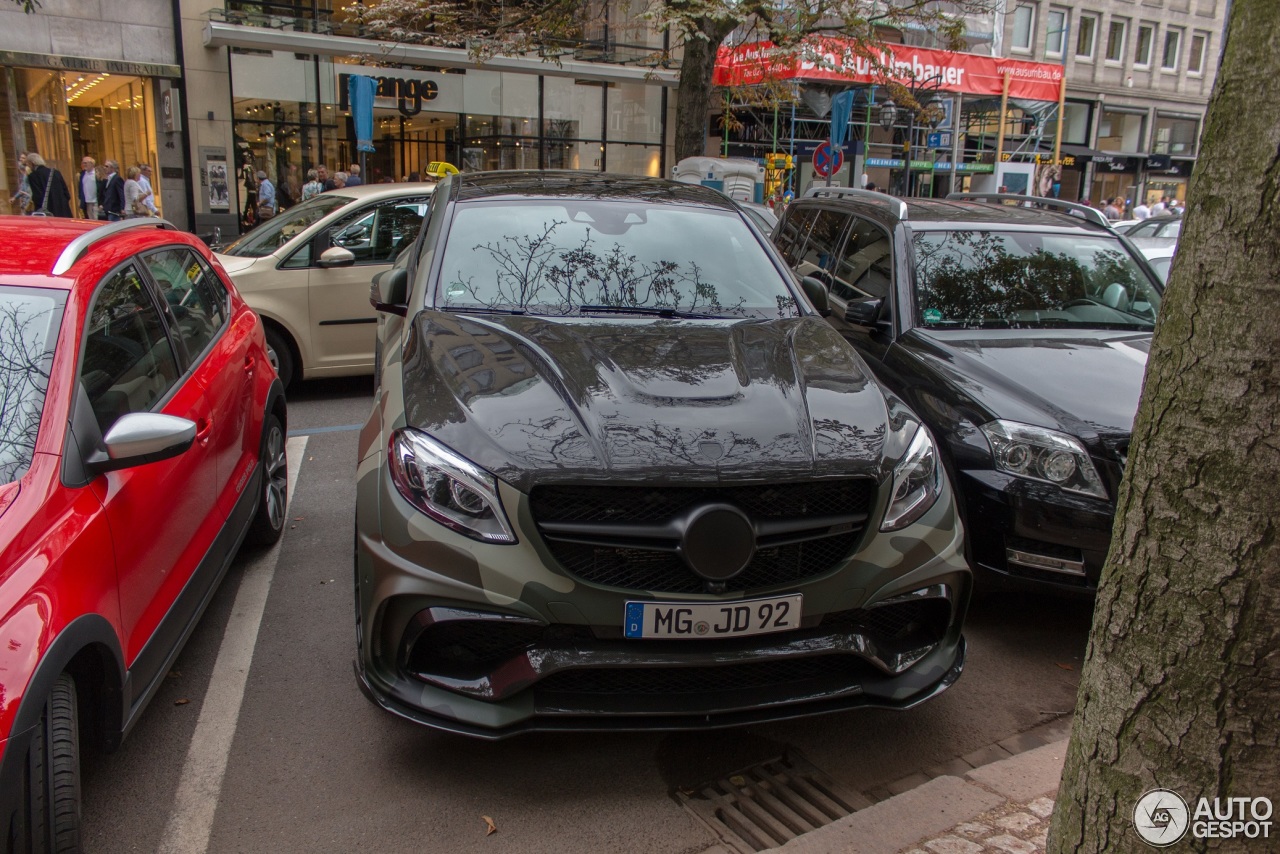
(49, 191)
(113, 191)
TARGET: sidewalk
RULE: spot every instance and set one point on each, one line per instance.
(1000, 808)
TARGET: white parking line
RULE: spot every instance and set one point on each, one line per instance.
(191, 821)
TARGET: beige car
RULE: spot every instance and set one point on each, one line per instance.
(306, 272)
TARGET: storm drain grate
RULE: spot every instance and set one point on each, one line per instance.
(768, 804)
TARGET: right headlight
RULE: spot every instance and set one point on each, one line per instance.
(448, 487)
(917, 481)
(1046, 455)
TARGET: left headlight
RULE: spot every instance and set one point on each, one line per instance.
(1045, 455)
(916, 483)
(448, 487)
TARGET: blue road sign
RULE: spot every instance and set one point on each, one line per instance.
(941, 139)
(827, 160)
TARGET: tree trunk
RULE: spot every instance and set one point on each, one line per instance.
(693, 95)
(1181, 683)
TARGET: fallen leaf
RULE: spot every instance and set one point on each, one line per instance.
(1065, 666)
(298, 518)
(310, 458)
(492, 829)
(181, 702)
(291, 527)
(175, 674)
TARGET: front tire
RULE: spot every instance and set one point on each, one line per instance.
(268, 520)
(50, 819)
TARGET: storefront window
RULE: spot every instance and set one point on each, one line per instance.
(572, 124)
(634, 113)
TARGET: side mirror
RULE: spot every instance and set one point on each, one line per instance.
(390, 291)
(143, 437)
(336, 256)
(816, 291)
(864, 312)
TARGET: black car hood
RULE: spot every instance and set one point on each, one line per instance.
(1084, 382)
(536, 399)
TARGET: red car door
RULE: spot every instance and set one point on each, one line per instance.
(162, 515)
(219, 350)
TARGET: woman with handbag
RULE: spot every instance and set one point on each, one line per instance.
(49, 193)
(135, 196)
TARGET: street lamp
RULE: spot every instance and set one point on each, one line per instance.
(888, 114)
(935, 110)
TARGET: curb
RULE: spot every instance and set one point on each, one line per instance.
(929, 810)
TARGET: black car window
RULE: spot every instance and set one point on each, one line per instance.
(793, 232)
(185, 284)
(818, 258)
(29, 319)
(128, 362)
(994, 279)
(866, 261)
(570, 256)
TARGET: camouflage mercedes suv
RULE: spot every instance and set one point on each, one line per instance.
(620, 474)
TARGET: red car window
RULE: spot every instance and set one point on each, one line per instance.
(28, 330)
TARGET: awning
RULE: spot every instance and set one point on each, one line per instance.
(1083, 153)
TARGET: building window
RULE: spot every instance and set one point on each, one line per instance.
(1120, 131)
(1115, 40)
(1142, 47)
(1172, 44)
(1023, 27)
(1176, 136)
(1195, 62)
(1056, 38)
(1086, 36)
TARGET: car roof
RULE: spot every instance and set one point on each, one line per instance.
(32, 244)
(365, 192)
(551, 183)
(949, 214)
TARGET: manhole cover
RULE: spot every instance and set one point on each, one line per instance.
(768, 804)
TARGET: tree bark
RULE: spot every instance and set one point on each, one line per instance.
(693, 95)
(1181, 682)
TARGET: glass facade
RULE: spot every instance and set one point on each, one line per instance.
(69, 115)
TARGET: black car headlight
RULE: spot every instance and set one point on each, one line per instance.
(916, 483)
(1037, 453)
(448, 487)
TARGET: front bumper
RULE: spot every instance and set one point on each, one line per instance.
(538, 649)
(1033, 536)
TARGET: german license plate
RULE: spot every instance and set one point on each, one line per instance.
(712, 619)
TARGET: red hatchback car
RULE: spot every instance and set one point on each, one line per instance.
(142, 435)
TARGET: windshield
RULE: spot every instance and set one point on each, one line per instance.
(579, 256)
(28, 330)
(280, 229)
(969, 279)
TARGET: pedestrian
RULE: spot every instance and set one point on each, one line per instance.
(49, 193)
(1114, 209)
(871, 185)
(113, 191)
(291, 187)
(88, 188)
(135, 204)
(22, 198)
(339, 180)
(322, 174)
(1161, 207)
(1176, 208)
(1141, 212)
(313, 187)
(353, 176)
(266, 197)
(144, 178)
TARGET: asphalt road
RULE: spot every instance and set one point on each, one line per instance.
(310, 765)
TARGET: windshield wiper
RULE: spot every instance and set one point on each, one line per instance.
(479, 309)
(655, 311)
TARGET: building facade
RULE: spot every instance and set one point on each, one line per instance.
(1139, 76)
(99, 79)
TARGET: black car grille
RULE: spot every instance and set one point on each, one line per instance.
(702, 680)
(914, 621)
(624, 566)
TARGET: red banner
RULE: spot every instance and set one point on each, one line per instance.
(837, 59)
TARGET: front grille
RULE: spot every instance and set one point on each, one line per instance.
(914, 620)
(629, 568)
(464, 647)
(701, 680)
